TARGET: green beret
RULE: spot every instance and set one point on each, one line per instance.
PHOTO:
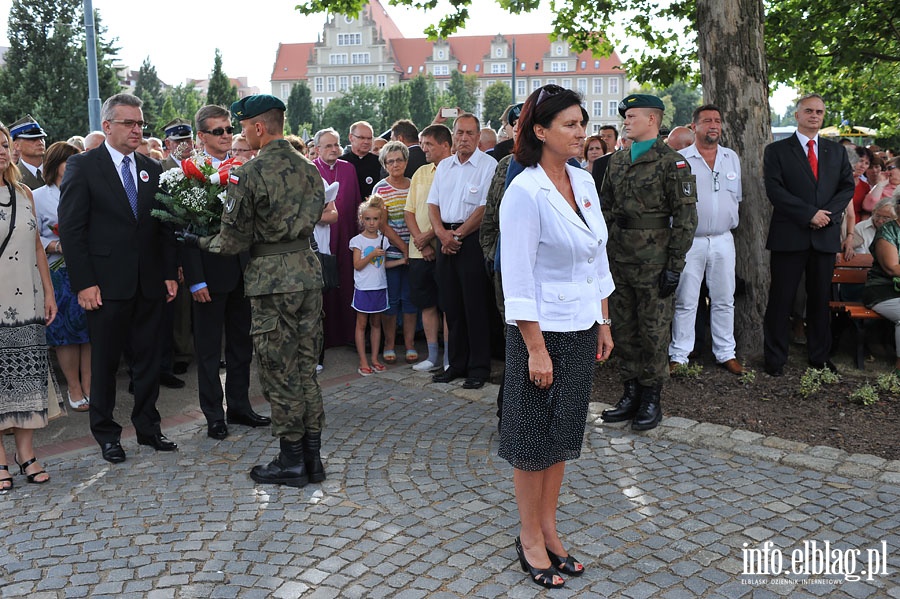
(251, 106)
(640, 101)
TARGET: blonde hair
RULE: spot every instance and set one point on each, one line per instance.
(373, 202)
(11, 174)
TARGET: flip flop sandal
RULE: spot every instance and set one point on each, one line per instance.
(379, 367)
(390, 356)
(412, 356)
(364, 371)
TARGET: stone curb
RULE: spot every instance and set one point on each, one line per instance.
(740, 442)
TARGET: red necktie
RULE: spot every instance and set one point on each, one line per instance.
(811, 156)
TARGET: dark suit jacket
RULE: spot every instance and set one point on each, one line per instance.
(30, 180)
(416, 159)
(220, 272)
(105, 244)
(598, 171)
(796, 195)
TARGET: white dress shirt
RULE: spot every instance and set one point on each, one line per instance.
(117, 157)
(718, 190)
(556, 271)
(460, 188)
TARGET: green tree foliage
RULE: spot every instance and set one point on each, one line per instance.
(497, 97)
(463, 90)
(421, 101)
(149, 89)
(299, 108)
(396, 105)
(46, 66)
(359, 103)
(220, 90)
(186, 101)
(166, 115)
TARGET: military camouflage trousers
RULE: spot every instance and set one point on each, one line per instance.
(287, 339)
(641, 323)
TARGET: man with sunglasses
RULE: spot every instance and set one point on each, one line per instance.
(121, 264)
(216, 283)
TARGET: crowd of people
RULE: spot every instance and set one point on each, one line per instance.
(459, 229)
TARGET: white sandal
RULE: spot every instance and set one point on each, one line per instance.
(82, 405)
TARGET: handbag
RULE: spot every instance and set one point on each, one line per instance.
(329, 270)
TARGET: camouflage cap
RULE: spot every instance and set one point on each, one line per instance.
(251, 106)
(640, 101)
(26, 128)
(178, 129)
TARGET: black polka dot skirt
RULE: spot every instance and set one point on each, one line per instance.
(542, 427)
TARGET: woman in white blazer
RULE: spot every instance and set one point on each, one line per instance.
(556, 284)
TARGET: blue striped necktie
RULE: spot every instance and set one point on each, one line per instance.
(128, 181)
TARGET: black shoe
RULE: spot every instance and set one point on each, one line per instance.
(217, 430)
(649, 413)
(774, 370)
(827, 364)
(543, 577)
(248, 418)
(112, 452)
(447, 376)
(312, 444)
(566, 565)
(473, 383)
(179, 367)
(288, 468)
(628, 404)
(157, 441)
(171, 381)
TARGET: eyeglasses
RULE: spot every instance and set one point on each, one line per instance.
(361, 137)
(715, 181)
(393, 161)
(219, 131)
(547, 91)
(890, 168)
(128, 123)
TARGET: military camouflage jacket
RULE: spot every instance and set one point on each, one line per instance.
(490, 222)
(276, 198)
(657, 186)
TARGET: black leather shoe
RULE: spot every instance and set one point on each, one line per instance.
(113, 452)
(217, 430)
(157, 441)
(649, 413)
(473, 383)
(288, 468)
(179, 367)
(446, 376)
(170, 380)
(627, 406)
(827, 364)
(774, 370)
(249, 418)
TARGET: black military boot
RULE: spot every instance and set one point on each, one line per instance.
(312, 443)
(627, 406)
(649, 413)
(286, 469)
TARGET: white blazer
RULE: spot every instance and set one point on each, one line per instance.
(555, 269)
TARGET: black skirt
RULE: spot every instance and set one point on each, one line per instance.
(542, 427)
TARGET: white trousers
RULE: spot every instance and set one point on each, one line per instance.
(712, 255)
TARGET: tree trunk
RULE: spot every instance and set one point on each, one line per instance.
(735, 78)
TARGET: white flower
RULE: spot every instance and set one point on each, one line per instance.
(194, 199)
(171, 178)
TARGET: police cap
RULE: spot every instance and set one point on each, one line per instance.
(26, 128)
(513, 115)
(251, 106)
(178, 129)
(640, 101)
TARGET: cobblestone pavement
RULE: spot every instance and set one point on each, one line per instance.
(417, 504)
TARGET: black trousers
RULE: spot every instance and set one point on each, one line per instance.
(786, 269)
(229, 313)
(464, 297)
(135, 321)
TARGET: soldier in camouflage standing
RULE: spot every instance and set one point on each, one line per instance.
(649, 202)
(273, 203)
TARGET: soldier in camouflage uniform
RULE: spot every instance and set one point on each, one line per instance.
(272, 205)
(649, 202)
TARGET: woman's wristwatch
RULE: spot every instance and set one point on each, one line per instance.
(605, 321)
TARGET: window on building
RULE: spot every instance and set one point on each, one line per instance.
(521, 87)
(332, 84)
(597, 128)
(596, 64)
(478, 67)
(598, 85)
(498, 52)
(360, 58)
(581, 86)
(465, 67)
(320, 101)
(337, 59)
(344, 83)
(356, 80)
(441, 69)
(285, 90)
(500, 67)
(583, 65)
(598, 108)
(559, 66)
(522, 67)
(320, 84)
(612, 108)
(369, 79)
(535, 83)
(349, 39)
(551, 81)
(613, 85)
(409, 69)
(559, 49)
(440, 55)
(382, 81)
(567, 83)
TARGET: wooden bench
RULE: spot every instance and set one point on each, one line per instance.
(852, 272)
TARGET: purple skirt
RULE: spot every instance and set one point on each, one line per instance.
(370, 302)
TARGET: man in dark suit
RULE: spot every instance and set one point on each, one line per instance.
(809, 182)
(122, 264)
(405, 131)
(216, 283)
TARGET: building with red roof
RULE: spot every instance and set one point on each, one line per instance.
(369, 49)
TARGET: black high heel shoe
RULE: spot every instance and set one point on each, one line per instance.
(31, 477)
(543, 577)
(4, 481)
(566, 565)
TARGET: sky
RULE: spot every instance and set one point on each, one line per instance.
(181, 36)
